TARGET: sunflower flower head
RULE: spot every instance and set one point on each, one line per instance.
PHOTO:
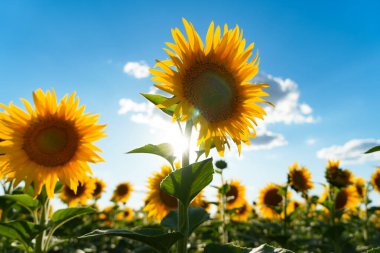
(271, 201)
(100, 187)
(375, 180)
(83, 193)
(360, 186)
(346, 198)
(235, 194)
(242, 213)
(50, 141)
(210, 84)
(122, 192)
(126, 214)
(299, 178)
(336, 176)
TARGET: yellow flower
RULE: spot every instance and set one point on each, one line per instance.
(100, 187)
(375, 180)
(360, 186)
(49, 142)
(125, 215)
(337, 176)
(299, 178)
(122, 192)
(346, 198)
(159, 203)
(271, 201)
(80, 196)
(235, 195)
(211, 84)
(201, 202)
(242, 213)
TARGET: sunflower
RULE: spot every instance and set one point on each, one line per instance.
(159, 203)
(49, 142)
(360, 186)
(271, 201)
(211, 84)
(80, 196)
(200, 201)
(346, 198)
(125, 215)
(375, 179)
(100, 186)
(235, 195)
(299, 178)
(242, 213)
(337, 176)
(122, 192)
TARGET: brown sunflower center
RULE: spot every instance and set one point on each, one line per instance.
(242, 210)
(71, 194)
(122, 190)
(232, 194)
(98, 189)
(272, 198)
(299, 180)
(210, 88)
(51, 142)
(341, 200)
(377, 180)
(126, 213)
(168, 200)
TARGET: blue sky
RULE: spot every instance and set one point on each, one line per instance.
(328, 52)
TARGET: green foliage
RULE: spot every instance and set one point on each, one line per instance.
(23, 200)
(155, 238)
(165, 150)
(371, 150)
(62, 216)
(22, 231)
(230, 248)
(197, 215)
(374, 250)
(187, 182)
(157, 99)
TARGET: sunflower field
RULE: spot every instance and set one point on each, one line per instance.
(47, 147)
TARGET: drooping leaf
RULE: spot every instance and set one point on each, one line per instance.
(24, 200)
(230, 248)
(22, 231)
(165, 150)
(157, 99)
(371, 150)
(155, 238)
(187, 182)
(197, 215)
(62, 216)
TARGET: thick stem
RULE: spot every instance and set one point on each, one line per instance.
(40, 246)
(183, 209)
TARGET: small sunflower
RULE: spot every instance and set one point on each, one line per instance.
(211, 84)
(375, 179)
(337, 176)
(346, 198)
(122, 192)
(235, 195)
(48, 142)
(299, 178)
(242, 213)
(271, 201)
(125, 215)
(80, 196)
(100, 187)
(158, 202)
(360, 186)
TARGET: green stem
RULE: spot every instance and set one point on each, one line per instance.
(285, 224)
(183, 208)
(40, 246)
(224, 235)
(366, 218)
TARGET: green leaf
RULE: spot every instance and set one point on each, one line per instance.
(157, 99)
(165, 150)
(374, 250)
(24, 200)
(197, 215)
(187, 182)
(230, 248)
(62, 216)
(21, 231)
(374, 149)
(153, 237)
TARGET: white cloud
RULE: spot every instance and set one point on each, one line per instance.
(137, 69)
(310, 141)
(284, 93)
(351, 152)
(266, 139)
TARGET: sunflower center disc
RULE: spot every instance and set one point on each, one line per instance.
(71, 193)
(232, 194)
(122, 190)
(272, 198)
(341, 200)
(168, 200)
(211, 90)
(299, 180)
(51, 142)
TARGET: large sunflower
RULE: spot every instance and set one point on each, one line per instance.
(211, 84)
(49, 142)
(122, 192)
(235, 195)
(158, 202)
(271, 201)
(299, 178)
(375, 179)
(83, 192)
(346, 198)
(337, 176)
(242, 213)
(100, 187)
